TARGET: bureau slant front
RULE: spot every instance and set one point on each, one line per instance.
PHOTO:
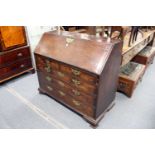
(79, 71)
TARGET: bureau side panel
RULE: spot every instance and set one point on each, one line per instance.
(109, 80)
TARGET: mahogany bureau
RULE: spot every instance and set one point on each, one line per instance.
(15, 57)
(79, 71)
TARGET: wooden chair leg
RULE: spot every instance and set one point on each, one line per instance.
(131, 35)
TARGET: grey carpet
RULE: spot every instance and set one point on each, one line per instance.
(15, 115)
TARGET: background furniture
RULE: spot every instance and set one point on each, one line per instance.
(146, 56)
(84, 78)
(15, 56)
(135, 59)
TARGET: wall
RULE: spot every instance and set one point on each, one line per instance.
(35, 33)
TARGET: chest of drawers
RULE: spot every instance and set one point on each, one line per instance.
(80, 73)
(131, 74)
(15, 55)
(135, 60)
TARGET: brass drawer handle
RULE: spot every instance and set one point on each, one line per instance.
(75, 72)
(48, 67)
(62, 93)
(77, 103)
(19, 54)
(49, 88)
(22, 66)
(48, 78)
(61, 74)
(76, 82)
(77, 93)
(61, 83)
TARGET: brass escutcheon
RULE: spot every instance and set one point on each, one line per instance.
(69, 40)
(77, 93)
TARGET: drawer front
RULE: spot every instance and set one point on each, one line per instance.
(63, 97)
(49, 66)
(80, 106)
(46, 65)
(76, 73)
(57, 84)
(126, 86)
(140, 59)
(75, 82)
(14, 55)
(133, 52)
(12, 68)
(70, 76)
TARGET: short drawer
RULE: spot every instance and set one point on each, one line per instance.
(12, 56)
(45, 64)
(63, 71)
(17, 66)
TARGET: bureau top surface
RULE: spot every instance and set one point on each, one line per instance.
(80, 50)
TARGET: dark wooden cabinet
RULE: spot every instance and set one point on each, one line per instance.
(79, 71)
(15, 55)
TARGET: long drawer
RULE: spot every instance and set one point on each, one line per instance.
(68, 100)
(63, 72)
(14, 55)
(15, 68)
(47, 79)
